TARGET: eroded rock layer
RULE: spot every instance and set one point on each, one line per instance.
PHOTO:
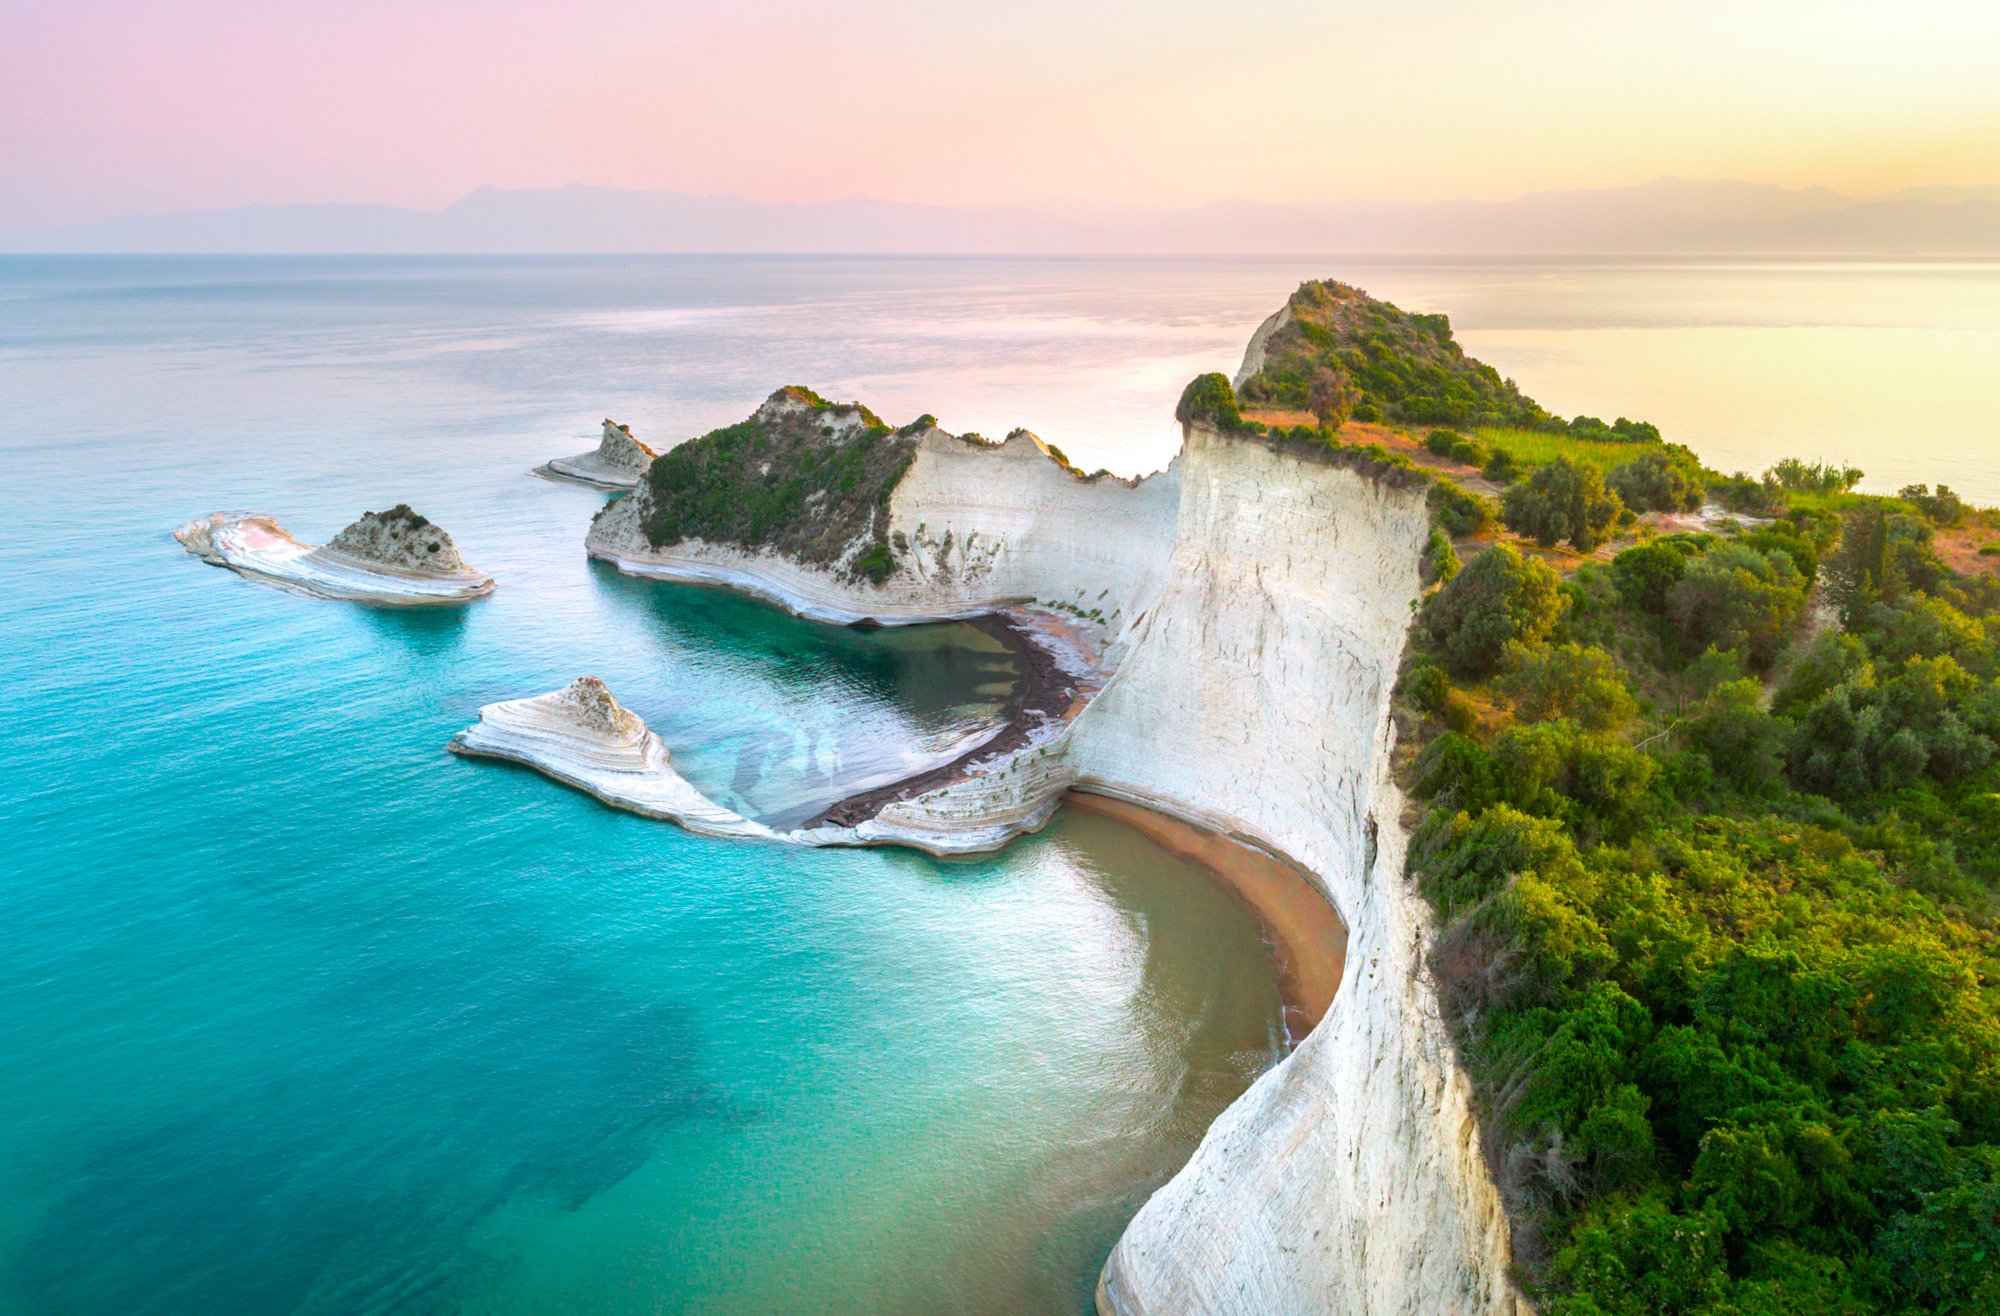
(618, 462)
(581, 735)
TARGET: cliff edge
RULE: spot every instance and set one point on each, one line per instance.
(1249, 606)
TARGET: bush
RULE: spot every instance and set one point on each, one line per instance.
(1500, 467)
(1500, 598)
(1331, 397)
(1813, 477)
(1658, 481)
(1584, 684)
(1564, 499)
(1943, 507)
(1426, 686)
(1734, 597)
(1210, 398)
(1460, 511)
(1440, 558)
(1559, 770)
(1368, 412)
(1443, 442)
(1647, 572)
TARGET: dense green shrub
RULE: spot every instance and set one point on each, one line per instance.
(1646, 573)
(1943, 507)
(1563, 499)
(1734, 597)
(1210, 398)
(1460, 511)
(1580, 682)
(1724, 980)
(1500, 598)
(1813, 477)
(1440, 558)
(1660, 480)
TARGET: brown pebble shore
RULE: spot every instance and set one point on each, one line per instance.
(1049, 695)
(1307, 936)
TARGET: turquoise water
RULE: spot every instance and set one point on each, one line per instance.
(299, 1013)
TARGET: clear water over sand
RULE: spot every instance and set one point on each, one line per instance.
(300, 1013)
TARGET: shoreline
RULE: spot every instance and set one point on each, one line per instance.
(1053, 695)
(1308, 939)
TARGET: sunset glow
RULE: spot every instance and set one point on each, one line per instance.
(119, 108)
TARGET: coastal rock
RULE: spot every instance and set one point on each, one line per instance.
(981, 526)
(1252, 605)
(400, 540)
(582, 736)
(395, 558)
(618, 462)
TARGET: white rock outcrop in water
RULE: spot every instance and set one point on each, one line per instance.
(1253, 605)
(394, 558)
(618, 462)
(582, 736)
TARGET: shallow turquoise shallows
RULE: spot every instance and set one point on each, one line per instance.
(300, 1013)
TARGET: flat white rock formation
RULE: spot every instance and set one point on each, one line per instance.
(618, 462)
(395, 558)
(1254, 606)
(582, 736)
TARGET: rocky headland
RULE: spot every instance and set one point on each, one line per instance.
(618, 462)
(1236, 622)
(396, 558)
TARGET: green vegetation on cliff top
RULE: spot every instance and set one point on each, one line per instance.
(802, 475)
(1713, 834)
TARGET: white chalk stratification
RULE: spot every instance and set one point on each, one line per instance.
(583, 737)
(381, 559)
(618, 462)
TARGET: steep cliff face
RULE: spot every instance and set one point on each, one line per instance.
(1348, 1179)
(1254, 605)
(975, 527)
(618, 462)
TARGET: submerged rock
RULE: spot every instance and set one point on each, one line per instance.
(619, 462)
(397, 558)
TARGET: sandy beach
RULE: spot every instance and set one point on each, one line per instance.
(1305, 933)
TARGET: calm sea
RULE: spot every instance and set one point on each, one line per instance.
(302, 1014)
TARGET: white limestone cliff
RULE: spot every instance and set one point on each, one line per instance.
(395, 558)
(618, 462)
(582, 736)
(1252, 607)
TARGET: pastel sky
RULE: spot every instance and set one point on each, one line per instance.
(112, 107)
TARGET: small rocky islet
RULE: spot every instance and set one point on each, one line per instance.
(397, 558)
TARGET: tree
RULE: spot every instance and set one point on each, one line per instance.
(1498, 598)
(1734, 597)
(1658, 481)
(1645, 572)
(1331, 396)
(1564, 499)
(1568, 680)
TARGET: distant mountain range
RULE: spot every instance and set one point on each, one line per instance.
(1667, 216)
